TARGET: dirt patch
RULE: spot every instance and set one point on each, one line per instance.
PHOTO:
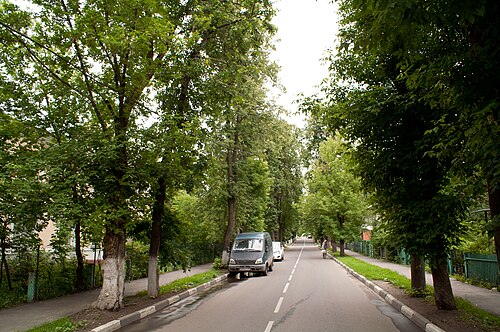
(450, 321)
(90, 318)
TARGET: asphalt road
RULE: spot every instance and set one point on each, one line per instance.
(304, 293)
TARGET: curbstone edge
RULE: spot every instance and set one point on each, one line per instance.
(411, 314)
(139, 314)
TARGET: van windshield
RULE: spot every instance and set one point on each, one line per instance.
(248, 245)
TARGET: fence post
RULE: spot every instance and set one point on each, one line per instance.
(466, 270)
(31, 287)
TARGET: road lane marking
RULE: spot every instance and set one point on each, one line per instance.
(278, 306)
(290, 278)
(293, 271)
(269, 326)
(286, 287)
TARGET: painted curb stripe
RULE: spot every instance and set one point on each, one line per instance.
(135, 316)
(411, 314)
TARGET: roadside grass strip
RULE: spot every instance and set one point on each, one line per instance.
(64, 325)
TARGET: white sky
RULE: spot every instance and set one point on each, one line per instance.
(306, 29)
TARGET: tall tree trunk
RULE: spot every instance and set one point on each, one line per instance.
(342, 247)
(79, 258)
(333, 243)
(5, 263)
(231, 221)
(443, 293)
(281, 221)
(113, 285)
(494, 203)
(154, 246)
(340, 220)
(232, 158)
(417, 267)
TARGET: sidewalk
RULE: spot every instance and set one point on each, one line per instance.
(485, 299)
(26, 316)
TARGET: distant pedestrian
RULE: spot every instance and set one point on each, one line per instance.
(324, 245)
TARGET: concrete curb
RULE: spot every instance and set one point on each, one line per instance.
(140, 314)
(412, 315)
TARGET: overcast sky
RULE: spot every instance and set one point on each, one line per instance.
(306, 29)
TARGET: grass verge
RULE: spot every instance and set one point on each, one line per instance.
(187, 282)
(468, 311)
(60, 325)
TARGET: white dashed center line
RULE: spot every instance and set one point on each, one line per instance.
(269, 326)
(278, 306)
(286, 287)
(280, 301)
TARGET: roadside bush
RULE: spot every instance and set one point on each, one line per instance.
(55, 277)
(137, 258)
(217, 265)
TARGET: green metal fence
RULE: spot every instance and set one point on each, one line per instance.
(479, 267)
(404, 257)
(362, 247)
(482, 267)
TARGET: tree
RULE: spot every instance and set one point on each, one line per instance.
(105, 57)
(392, 128)
(237, 101)
(335, 204)
(283, 157)
(448, 57)
(20, 217)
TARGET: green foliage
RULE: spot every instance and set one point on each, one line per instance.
(190, 282)
(60, 325)
(425, 65)
(478, 238)
(285, 168)
(217, 265)
(56, 277)
(372, 272)
(487, 321)
(10, 298)
(254, 183)
(476, 282)
(335, 205)
(136, 256)
(97, 113)
(379, 101)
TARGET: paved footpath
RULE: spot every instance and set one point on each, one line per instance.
(485, 299)
(26, 316)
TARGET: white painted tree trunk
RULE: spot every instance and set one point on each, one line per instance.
(153, 277)
(225, 257)
(113, 285)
